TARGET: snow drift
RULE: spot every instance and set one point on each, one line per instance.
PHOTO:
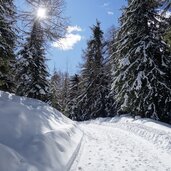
(35, 136)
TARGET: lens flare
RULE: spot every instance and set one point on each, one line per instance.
(41, 13)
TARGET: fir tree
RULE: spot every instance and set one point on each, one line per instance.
(64, 92)
(55, 91)
(93, 101)
(33, 74)
(7, 44)
(59, 89)
(111, 39)
(142, 81)
(74, 91)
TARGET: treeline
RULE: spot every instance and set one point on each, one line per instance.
(89, 92)
(128, 71)
(135, 75)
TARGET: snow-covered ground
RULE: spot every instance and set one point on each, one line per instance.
(124, 144)
(36, 137)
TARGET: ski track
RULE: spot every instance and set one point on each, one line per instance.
(106, 148)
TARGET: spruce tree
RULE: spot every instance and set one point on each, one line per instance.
(110, 42)
(93, 101)
(55, 91)
(72, 109)
(59, 91)
(7, 44)
(141, 75)
(33, 74)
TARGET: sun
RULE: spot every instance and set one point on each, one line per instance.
(41, 12)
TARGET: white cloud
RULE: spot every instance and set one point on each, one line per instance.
(68, 42)
(106, 4)
(71, 29)
(70, 39)
(110, 13)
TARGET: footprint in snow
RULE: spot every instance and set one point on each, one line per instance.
(79, 168)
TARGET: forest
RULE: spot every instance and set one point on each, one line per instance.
(124, 71)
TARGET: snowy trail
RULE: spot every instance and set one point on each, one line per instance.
(107, 148)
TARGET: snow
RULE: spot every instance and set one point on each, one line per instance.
(34, 136)
(123, 144)
(138, 81)
(124, 62)
(124, 105)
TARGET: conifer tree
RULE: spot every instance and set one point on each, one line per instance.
(74, 91)
(59, 91)
(64, 92)
(55, 91)
(7, 44)
(141, 75)
(93, 101)
(49, 26)
(33, 73)
(111, 39)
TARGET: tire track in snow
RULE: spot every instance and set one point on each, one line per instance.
(108, 148)
(160, 138)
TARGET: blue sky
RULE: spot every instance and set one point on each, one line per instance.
(82, 15)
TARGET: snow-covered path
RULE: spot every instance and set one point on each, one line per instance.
(107, 148)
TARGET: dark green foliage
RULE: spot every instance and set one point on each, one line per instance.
(74, 91)
(65, 92)
(59, 87)
(91, 97)
(7, 43)
(32, 68)
(55, 91)
(142, 80)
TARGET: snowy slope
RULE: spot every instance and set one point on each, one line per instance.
(124, 144)
(34, 136)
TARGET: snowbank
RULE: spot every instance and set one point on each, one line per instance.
(34, 136)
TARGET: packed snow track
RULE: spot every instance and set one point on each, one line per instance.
(109, 147)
